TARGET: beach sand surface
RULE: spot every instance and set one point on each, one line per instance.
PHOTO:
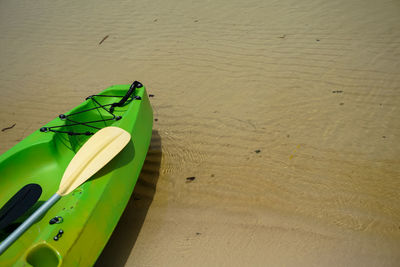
(285, 112)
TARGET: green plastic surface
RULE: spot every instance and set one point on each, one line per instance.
(90, 212)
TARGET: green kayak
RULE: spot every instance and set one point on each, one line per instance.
(74, 231)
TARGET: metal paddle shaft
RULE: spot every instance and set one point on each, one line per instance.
(28, 222)
(93, 155)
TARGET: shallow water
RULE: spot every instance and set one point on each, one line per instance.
(285, 112)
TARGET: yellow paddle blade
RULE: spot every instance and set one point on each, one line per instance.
(93, 155)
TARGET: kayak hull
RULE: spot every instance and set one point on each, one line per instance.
(91, 212)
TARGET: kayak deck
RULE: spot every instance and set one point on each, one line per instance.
(90, 212)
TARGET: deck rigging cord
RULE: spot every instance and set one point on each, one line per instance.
(109, 108)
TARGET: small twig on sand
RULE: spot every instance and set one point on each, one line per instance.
(105, 38)
(8, 128)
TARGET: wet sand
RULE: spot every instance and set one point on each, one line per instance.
(285, 112)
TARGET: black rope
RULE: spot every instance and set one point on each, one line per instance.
(89, 109)
(129, 95)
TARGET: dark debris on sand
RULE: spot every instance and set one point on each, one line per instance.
(8, 128)
(190, 179)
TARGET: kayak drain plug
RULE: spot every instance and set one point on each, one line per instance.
(59, 234)
(57, 219)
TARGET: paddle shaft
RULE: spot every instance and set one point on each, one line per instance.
(28, 222)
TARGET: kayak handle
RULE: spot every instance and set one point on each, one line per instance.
(131, 90)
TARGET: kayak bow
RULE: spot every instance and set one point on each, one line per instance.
(76, 228)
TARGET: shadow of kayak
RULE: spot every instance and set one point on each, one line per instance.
(121, 242)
